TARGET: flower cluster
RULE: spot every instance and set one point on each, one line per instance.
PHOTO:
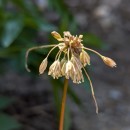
(71, 58)
(75, 58)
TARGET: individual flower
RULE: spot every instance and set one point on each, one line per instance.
(84, 58)
(108, 61)
(69, 70)
(77, 77)
(55, 69)
(43, 66)
(74, 57)
(56, 36)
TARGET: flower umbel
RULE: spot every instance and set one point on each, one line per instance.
(70, 60)
(74, 60)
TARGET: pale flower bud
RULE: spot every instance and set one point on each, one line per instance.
(108, 61)
(84, 58)
(57, 36)
(43, 66)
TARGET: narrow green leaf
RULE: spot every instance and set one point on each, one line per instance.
(8, 122)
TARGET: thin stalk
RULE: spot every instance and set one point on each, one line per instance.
(63, 105)
(58, 55)
(52, 50)
(68, 54)
(34, 48)
(93, 51)
(92, 90)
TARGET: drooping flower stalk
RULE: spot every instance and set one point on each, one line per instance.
(61, 123)
(34, 48)
(108, 61)
(92, 90)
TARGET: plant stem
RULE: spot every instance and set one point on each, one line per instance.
(93, 51)
(63, 105)
(34, 48)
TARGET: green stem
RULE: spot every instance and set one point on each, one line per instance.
(63, 105)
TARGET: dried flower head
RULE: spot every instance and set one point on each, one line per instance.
(75, 59)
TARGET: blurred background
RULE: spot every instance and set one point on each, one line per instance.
(32, 102)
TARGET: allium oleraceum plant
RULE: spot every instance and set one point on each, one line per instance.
(70, 62)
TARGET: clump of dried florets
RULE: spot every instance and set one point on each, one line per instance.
(74, 60)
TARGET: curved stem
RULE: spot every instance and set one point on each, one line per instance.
(58, 55)
(34, 48)
(52, 50)
(63, 105)
(93, 51)
(91, 85)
